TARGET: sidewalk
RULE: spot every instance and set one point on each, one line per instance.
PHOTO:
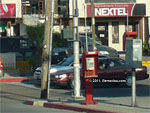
(13, 76)
(104, 106)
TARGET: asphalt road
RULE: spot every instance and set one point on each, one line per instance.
(13, 96)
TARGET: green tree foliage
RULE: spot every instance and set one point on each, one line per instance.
(36, 37)
(58, 41)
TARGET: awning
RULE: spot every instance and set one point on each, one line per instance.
(117, 10)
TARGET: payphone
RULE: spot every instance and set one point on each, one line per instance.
(128, 35)
(134, 53)
(90, 64)
(90, 71)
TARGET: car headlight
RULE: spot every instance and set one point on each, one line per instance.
(53, 70)
(138, 69)
(61, 76)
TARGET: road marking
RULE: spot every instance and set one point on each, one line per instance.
(146, 63)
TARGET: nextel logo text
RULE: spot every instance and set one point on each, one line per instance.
(111, 12)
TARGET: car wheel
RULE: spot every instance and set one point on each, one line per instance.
(71, 83)
(129, 80)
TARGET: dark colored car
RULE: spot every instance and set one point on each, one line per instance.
(104, 50)
(1, 68)
(110, 70)
(58, 56)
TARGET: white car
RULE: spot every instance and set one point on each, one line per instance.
(63, 65)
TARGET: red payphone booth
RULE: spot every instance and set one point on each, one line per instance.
(90, 71)
(128, 35)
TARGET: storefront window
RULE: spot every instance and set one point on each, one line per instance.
(115, 32)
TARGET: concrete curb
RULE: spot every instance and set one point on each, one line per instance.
(12, 80)
(68, 107)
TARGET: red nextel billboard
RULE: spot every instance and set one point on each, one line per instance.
(116, 10)
(7, 10)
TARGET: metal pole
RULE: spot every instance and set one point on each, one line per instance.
(85, 28)
(127, 29)
(133, 104)
(76, 50)
(93, 24)
(50, 46)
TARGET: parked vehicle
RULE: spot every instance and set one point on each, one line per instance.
(109, 70)
(1, 68)
(104, 50)
(58, 56)
(65, 64)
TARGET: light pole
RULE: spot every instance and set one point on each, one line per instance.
(76, 50)
(93, 24)
(86, 38)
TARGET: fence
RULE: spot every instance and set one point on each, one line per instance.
(9, 60)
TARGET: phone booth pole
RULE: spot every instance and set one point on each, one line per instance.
(90, 71)
(133, 60)
(133, 98)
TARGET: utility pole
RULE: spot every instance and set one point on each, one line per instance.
(93, 24)
(76, 50)
(46, 55)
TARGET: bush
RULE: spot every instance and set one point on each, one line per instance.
(146, 47)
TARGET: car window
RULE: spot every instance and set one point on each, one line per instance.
(67, 61)
(122, 62)
(116, 63)
(112, 64)
(103, 64)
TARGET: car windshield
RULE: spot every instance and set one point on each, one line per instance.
(83, 40)
(67, 62)
(89, 39)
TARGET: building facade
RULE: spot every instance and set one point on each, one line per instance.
(114, 18)
(10, 16)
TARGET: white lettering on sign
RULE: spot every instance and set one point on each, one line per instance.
(110, 12)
